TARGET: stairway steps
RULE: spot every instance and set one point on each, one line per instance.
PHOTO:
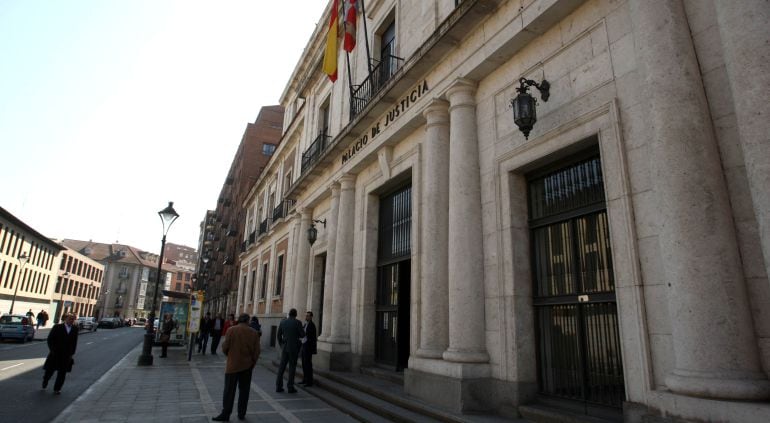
(542, 414)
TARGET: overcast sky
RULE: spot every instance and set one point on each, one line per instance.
(110, 109)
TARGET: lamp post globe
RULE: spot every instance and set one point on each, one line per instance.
(23, 259)
(167, 217)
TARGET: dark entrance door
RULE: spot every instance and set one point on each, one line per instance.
(391, 339)
(574, 297)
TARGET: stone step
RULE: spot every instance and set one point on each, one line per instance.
(543, 414)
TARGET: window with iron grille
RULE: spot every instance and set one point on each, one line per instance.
(263, 292)
(279, 276)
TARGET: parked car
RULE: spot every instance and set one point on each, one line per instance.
(87, 323)
(17, 326)
(109, 322)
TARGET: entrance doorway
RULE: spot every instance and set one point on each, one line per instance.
(578, 343)
(391, 340)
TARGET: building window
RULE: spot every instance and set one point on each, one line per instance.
(268, 149)
(253, 283)
(279, 276)
(263, 292)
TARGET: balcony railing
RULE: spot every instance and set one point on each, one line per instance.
(314, 152)
(280, 211)
(263, 226)
(382, 72)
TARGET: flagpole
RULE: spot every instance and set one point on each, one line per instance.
(347, 58)
(366, 38)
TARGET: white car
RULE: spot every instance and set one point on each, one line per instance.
(17, 326)
(87, 323)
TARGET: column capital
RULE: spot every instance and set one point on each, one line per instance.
(462, 92)
(334, 187)
(437, 112)
(347, 181)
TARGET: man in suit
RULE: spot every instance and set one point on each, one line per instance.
(289, 334)
(62, 343)
(241, 347)
(215, 330)
(308, 349)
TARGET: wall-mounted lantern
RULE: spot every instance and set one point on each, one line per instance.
(525, 106)
(312, 232)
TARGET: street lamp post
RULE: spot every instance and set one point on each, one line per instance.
(167, 216)
(23, 259)
(60, 309)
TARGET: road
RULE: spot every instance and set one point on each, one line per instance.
(21, 372)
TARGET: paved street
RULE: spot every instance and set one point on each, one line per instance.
(175, 390)
(21, 372)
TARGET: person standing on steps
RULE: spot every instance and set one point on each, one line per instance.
(289, 334)
(241, 347)
(62, 343)
(309, 343)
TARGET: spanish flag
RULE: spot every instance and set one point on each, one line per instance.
(349, 42)
(330, 57)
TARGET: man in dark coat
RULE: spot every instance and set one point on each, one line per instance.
(62, 343)
(308, 349)
(215, 330)
(203, 336)
(241, 347)
(289, 334)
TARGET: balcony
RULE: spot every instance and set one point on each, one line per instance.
(314, 152)
(364, 93)
(263, 226)
(282, 209)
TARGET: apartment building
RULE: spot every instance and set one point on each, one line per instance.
(28, 264)
(223, 228)
(78, 284)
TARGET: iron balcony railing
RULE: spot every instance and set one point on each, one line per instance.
(381, 73)
(263, 226)
(314, 152)
(282, 209)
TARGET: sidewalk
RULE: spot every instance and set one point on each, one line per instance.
(175, 390)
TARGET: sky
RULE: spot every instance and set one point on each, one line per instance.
(111, 109)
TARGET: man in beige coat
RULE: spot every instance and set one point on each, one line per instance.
(241, 347)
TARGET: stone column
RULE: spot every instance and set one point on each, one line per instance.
(713, 335)
(434, 294)
(301, 270)
(331, 242)
(743, 26)
(343, 262)
(467, 342)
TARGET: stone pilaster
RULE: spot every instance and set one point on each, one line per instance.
(467, 342)
(343, 263)
(331, 241)
(743, 27)
(434, 294)
(301, 271)
(714, 345)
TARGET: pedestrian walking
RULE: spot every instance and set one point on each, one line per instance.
(309, 343)
(216, 332)
(166, 327)
(30, 315)
(241, 347)
(45, 318)
(39, 320)
(289, 334)
(254, 324)
(62, 343)
(203, 338)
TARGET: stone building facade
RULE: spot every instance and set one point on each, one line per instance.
(613, 262)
